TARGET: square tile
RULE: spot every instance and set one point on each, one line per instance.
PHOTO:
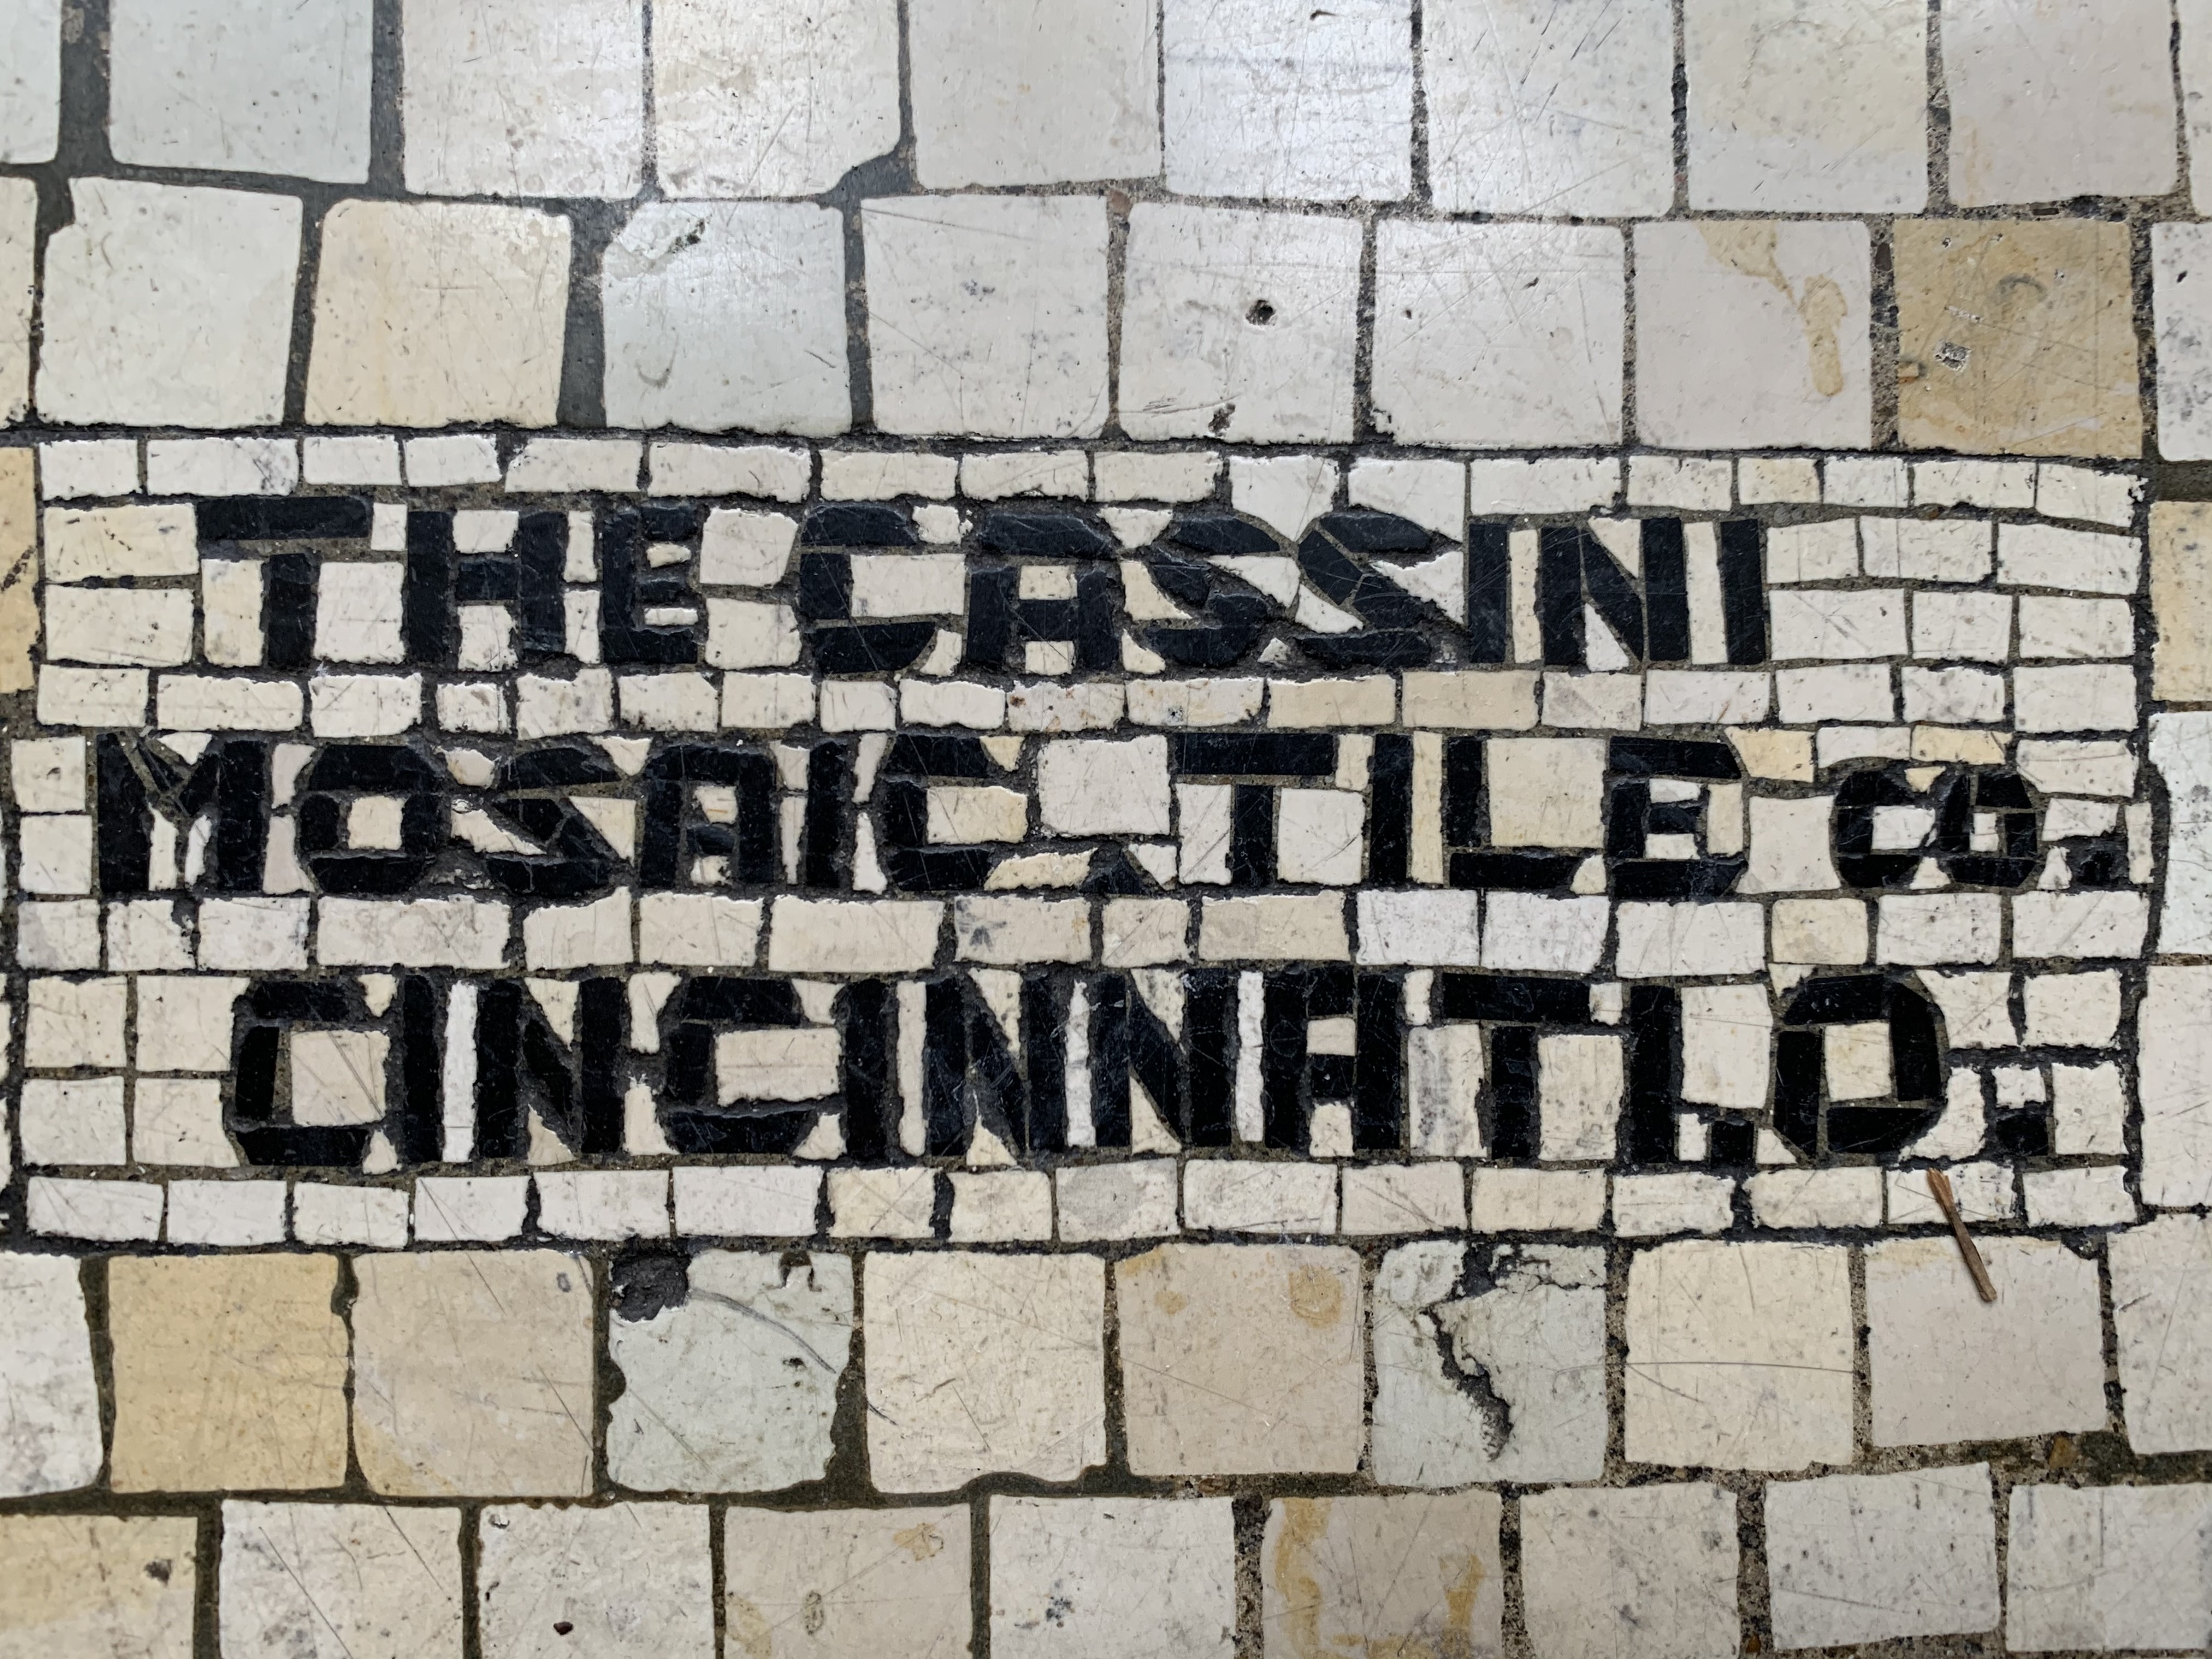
(340, 1581)
(93, 1585)
(980, 1364)
(1947, 1366)
(730, 1376)
(727, 315)
(1113, 1577)
(986, 315)
(1798, 109)
(266, 86)
(1414, 1574)
(230, 1373)
(2051, 103)
(1555, 111)
(631, 1581)
(1865, 1558)
(473, 1374)
(848, 1583)
(1494, 336)
(1740, 1355)
(168, 306)
(1238, 326)
(429, 313)
(1753, 332)
(2107, 1568)
(542, 100)
(1647, 1572)
(2016, 337)
(1530, 1319)
(1241, 1359)
(1036, 98)
(741, 105)
(1283, 101)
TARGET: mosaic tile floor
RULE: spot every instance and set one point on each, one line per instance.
(1201, 827)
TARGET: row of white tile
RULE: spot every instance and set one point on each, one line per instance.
(1551, 110)
(1095, 1202)
(1285, 492)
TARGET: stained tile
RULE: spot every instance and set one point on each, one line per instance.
(2015, 337)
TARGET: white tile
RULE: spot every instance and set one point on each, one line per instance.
(2050, 102)
(168, 306)
(1550, 110)
(2105, 1568)
(1113, 1577)
(632, 1581)
(1649, 1571)
(1284, 100)
(986, 315)
(1807, 110)
(1740, 1355)
(816, 1585)
(1007, 98)
(1947, 1366)
(1530, 1319)
(48, 1396)
(1498, 337)
(30, 81)
(722, 317)
(731, 1375)
(775, 474)
(2183, 319)
(116, 1211)
(327, 1581)
(543, 99)
(88, 466)
(745, 103)
(1864, 1558)
(979, 1363)
(2162, 1323)
(18, 234)
(268, 85)
(1239, 326)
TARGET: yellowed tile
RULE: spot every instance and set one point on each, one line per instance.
(85, 1585)
(474, 1376)
(229, 1373)
(1242, 1358)
(1413, 1575)
(2016, 337)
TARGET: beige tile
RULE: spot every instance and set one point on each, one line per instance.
(1946, 1366)
(2181, 600)
(1413, 1575)
(978, 1364)
(1241, 1359)
(1739, 1356)
(229, 1373)
(2016, 339)
(848, 1583)
(473, 1374)
(92, 1587)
